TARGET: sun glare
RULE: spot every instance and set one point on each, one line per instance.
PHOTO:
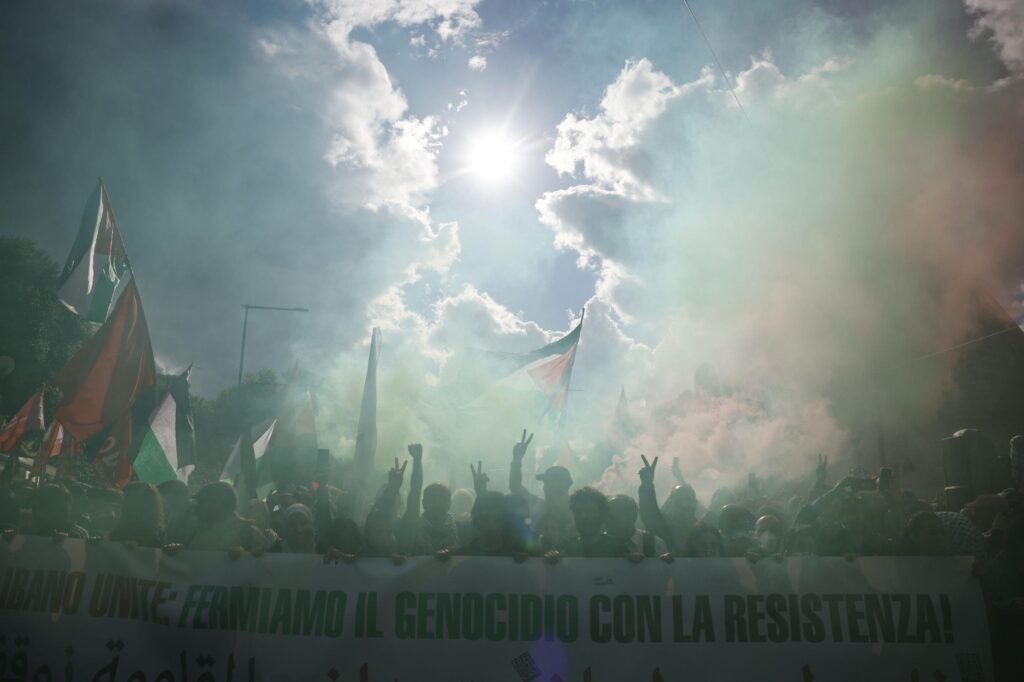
(492, 158)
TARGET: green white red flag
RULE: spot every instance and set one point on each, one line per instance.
(547, 369)
(233, 467)
(167, 448)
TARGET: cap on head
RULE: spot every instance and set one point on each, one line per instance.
(556, 475)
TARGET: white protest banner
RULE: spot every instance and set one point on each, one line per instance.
(105, 613)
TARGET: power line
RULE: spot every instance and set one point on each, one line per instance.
(968, 343)
(721, 70)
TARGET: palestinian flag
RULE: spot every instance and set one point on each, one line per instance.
(28, 418)
(167, 450)
(547, 369)
(550, 368)
(233, 467)
(113, 368)
(56, 444)
(97, 263)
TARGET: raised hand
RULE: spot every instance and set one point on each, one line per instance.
(647, 472)
(821, 471)
(415, 451)
(519, 449)
(396, 474)
(480, 479)
(677, 471)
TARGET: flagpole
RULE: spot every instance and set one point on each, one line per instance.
(568, 383)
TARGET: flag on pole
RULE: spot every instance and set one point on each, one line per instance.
(113, 367)
(548, 369)
(167, 449)
(56, 444)
(28, 418)
(233, 467)
(110, 453)
(366, 434)
(97, 263)
(185, 424)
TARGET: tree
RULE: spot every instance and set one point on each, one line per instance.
(219, 421)
(35, 327)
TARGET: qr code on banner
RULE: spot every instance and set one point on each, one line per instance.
(526, 667)
(970, 667)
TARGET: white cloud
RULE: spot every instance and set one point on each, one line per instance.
(392, 154)
(269, 47)
(934, 81)
(472, 317)
(477, 63)
(450, 19)
(598, 147)
(765, 81)
(1003, 21)
(625, 193)
(461, 104)
(488, 41)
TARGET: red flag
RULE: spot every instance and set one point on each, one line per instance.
(111, 462)
(108, 373)
(28, 418)
(56, 443)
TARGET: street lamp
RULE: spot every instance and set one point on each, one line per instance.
(245, 326)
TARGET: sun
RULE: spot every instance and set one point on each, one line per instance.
(492, 157)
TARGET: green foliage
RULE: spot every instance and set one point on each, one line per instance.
(35, 327)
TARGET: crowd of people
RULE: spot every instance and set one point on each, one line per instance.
(858, 515)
